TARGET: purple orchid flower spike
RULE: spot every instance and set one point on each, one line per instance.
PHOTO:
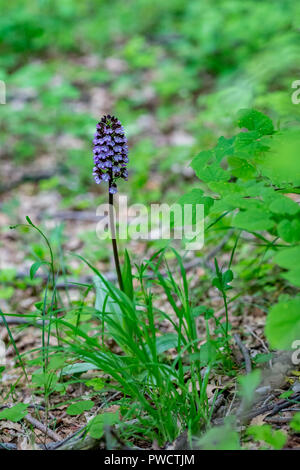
(110, 151)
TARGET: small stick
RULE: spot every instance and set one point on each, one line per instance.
(258, 338)
(197, 261)
(7, 446)
(278, 419)
(257, 412)
(244, 351)
(27, 178)
(285, 404)
(84, 216)
(38, 425)
(274, 409)
(231, 404)
(21, 321)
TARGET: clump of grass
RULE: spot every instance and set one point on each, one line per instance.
(165, 397)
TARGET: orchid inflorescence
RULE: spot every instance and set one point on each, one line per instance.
(110, 152)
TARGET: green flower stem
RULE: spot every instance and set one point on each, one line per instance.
(114, 241)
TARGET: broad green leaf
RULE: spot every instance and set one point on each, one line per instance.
(202, 310)
(96, 383)
(201, 160)
(240, 202)
(217, 283)
(289, 230)
(247, 145)
(207, 168)
(261, 358)
(78, 368)
(57, 361)
(293, 276)
(113, 310)
(15, 413)
(6, 292)
(207, 354)
(253, 220)
(165, 342)
(283, 324)
(288, 257)
(220, 438)
(195, 196)
(284, 205)
(254, 188)
(224, 148)
(233, 201)
(241, 168)
(214, 172)
(227, 276)
(8, 274)
(221, 282)
(275, 438)
(224, 188)
(97, 424)
(254, 120)
(295, 423)
(103, 298)
(281, 162)
(105, 304)
(79, 407)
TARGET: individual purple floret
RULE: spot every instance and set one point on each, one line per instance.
(110, 152)
(105, 177)
(113, 189)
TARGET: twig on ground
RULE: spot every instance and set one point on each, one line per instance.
(27, 178)
(7, 446)
(21, 321)
(278, 419)
(38, 425)
(261, 342)
(217, 404)
(244, 351)
(86, 216)
(273, 408)
(258, 338)
(71, 284)
(269, 398)
(231, 404)
(197, 261)
(284, 404)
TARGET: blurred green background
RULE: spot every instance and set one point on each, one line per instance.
(174, 71)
